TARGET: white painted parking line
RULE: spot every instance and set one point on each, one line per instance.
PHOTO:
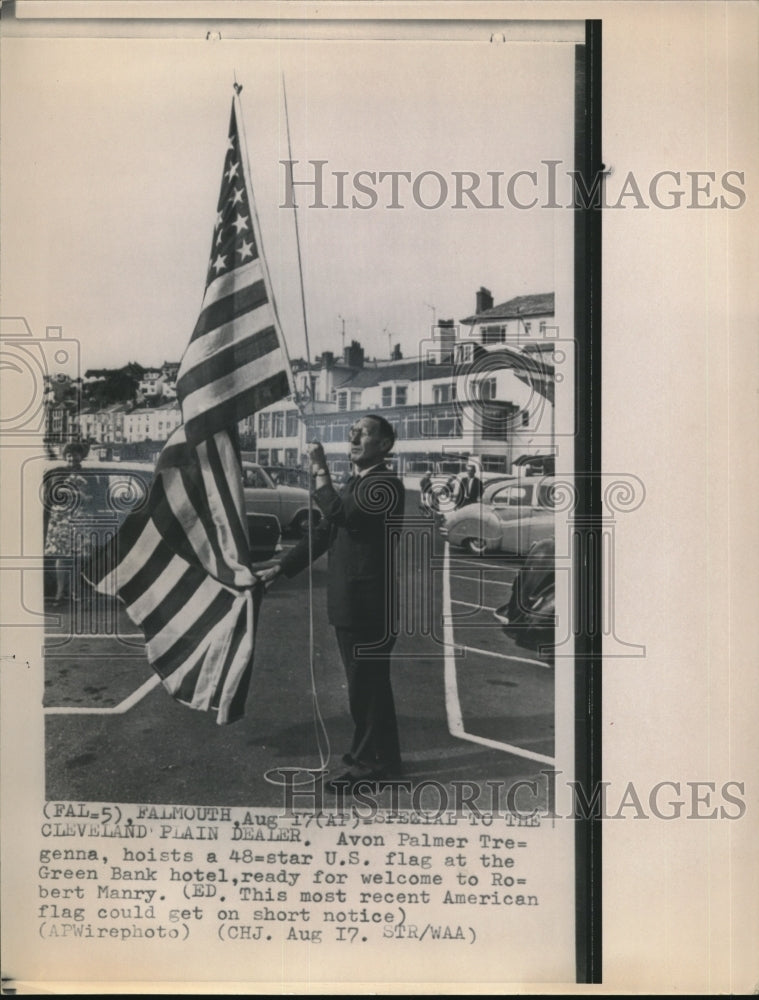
(89, 636)
(503, 656)
(119, 709)
(452, 703)
(482, 579)
(478, 564)
(467, 604)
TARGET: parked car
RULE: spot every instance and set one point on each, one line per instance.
(113, 491)
(288, 503)
(441, 493)
(287, 475)
(512, 515)
(529, 616)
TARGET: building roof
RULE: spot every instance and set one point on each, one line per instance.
(362, 378)
(520, 307)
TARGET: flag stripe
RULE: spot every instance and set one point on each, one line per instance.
(174, 532)
(225, 284)
(224, 335)
(157, 579)
(241, 301)
(130, 591)
(160, 616)
(229, 385)
(228, 361)
(228, 507)
(234, 678)
(187, 506)
(209, 680)
(125, 564)
(255, 398)
(172, 654)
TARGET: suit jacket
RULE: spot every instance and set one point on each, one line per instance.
(471, 490)
(354, 529)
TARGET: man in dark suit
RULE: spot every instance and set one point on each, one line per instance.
(471, 486)
(354, 529)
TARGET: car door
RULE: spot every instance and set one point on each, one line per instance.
(261, 495)
(542, 519)
(513, 506)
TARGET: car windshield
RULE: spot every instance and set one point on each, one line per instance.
(98, 491)
(254, 477)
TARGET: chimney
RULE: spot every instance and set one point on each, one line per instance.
(353, 356)
(328, 359)
(484, 300)
(446, 336)
(396, 355)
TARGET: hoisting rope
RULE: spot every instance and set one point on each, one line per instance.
(273, 776)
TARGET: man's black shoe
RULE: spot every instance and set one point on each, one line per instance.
(372, 779)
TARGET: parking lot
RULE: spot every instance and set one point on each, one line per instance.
(472, 706)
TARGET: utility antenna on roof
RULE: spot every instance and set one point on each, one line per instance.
(342, 319)
(389, 336)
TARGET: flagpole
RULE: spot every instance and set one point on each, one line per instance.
(324, 762)
(300, 262)
(320, 728)
(257, 229)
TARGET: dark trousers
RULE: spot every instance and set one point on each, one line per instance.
(375, 736)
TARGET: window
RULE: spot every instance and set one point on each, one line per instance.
(263, 425)
(291, 457)
(487, 388)
(493, 334)
(513, 496)
(400, 395)
(525, 418)
(275, 456)
(292, 423)
(342, 401)
(355, 400)
(278, 424)
(527, 327)
(543, 328)
(254, 478)
(464, 353)
(444, 392)
(387, 395)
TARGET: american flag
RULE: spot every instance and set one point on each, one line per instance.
(181, 565)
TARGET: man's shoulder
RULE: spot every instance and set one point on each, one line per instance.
(386, 472)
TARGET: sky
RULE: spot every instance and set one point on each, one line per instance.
(112, 153)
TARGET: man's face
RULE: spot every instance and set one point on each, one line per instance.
(470, 470)
(368, 447)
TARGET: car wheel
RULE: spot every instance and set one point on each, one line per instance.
(299, 524)
(477, 546)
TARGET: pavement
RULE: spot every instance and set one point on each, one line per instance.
(472, 706)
